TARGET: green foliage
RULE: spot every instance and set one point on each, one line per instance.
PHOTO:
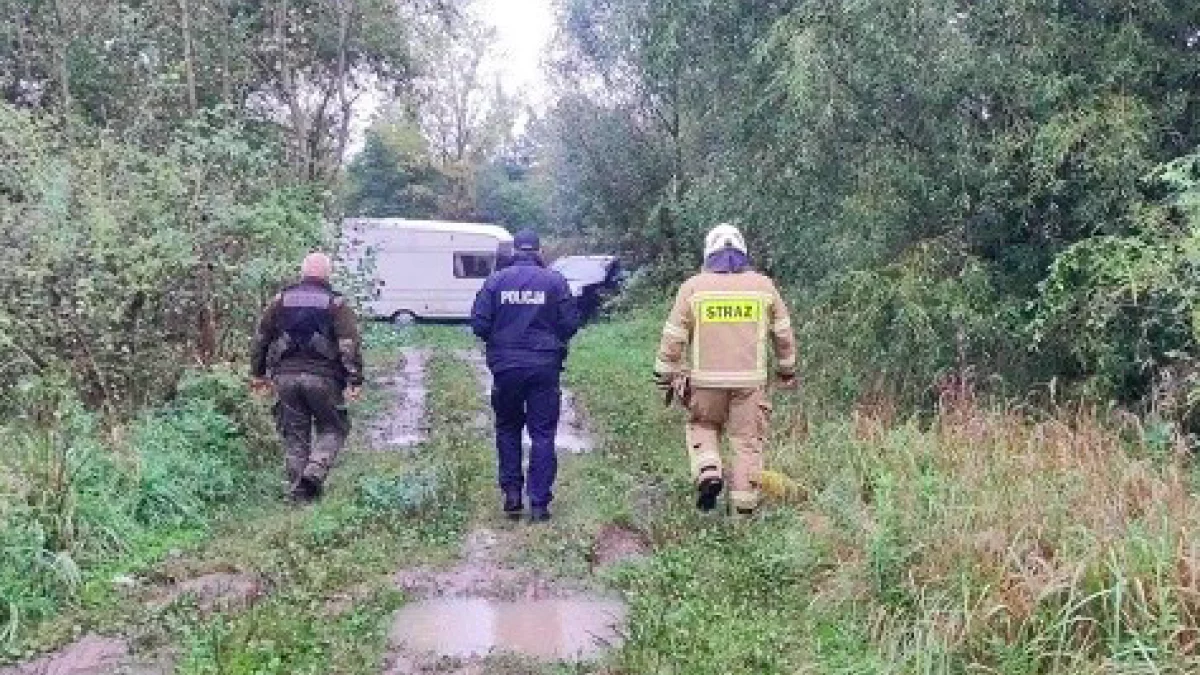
(902, 330)
(393, 176)
(982, 540)
(1125, 307)
(121, 266)
(71, 500)
(398, 495)
(849, 140)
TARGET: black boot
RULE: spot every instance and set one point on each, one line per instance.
(707, 492)
(307, 490)
(513, 505)
(539, 514)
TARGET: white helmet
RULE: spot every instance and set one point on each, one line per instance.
(723, 236)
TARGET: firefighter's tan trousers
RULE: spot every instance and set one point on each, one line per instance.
(743, 415)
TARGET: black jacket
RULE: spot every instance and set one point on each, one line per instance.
(308, 328)
(526, 315)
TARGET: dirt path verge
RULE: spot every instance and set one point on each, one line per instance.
(405, 425)
(574, 435)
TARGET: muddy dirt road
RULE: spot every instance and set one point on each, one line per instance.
(486, 605)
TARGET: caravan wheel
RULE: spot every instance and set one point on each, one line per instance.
(403, 319)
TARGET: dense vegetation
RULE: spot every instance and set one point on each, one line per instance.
(1008, 186)
(165, 166)
(979, 541)
(963, 199)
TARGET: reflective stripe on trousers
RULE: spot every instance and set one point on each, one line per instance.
(742, 415)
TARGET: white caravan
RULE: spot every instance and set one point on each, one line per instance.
(423, 269)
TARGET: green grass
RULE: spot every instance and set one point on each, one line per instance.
(383, 510)
(973, 541)
(978, 541)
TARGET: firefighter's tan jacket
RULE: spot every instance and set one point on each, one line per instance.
(719, 329)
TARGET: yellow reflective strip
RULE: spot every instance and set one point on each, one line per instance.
(661, 366)
(736, 378)
(718, 295)
(744, 499)
(744, 309)
(676, 332)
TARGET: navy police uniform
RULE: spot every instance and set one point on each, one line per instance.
(526, 315)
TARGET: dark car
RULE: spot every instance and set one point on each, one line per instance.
(593, 280)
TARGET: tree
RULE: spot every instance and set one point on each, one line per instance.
(394, 176)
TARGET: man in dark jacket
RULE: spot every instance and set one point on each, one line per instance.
(526, 315)
(308, 344)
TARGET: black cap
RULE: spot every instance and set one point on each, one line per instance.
(527, 240)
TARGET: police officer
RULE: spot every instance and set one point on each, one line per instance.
(526, 315)
(714, 352)
(308, 344)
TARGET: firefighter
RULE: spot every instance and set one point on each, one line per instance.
(714, 356)
(308, 345)
(526, 315)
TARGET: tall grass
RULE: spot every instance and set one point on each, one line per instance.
(970, 539)
(75, 496)
(1016, 542)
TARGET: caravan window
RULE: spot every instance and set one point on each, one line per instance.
(473, 265)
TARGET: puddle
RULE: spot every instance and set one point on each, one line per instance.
(557, 629)
(96, 655)
(405, 425)
(573, 436)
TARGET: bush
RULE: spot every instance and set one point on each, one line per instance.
(902, 330)
(120, 266)
(71, 500)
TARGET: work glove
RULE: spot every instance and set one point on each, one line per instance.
(663, 381)
(788, 382)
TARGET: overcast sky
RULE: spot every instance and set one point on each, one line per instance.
(524, 30)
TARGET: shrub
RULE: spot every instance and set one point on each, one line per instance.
(72, 498)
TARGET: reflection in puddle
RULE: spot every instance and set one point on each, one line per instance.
(554, 629)
(406, 426)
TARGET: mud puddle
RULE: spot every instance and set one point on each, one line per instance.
(96, 655)
(405, 425)
(573, 437)
(556, 629)
(483, 608)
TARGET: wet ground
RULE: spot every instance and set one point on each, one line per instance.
(405, 426)
(574, 437)
(485, 606)
(555, 629)
(463, 617)
(96, 655)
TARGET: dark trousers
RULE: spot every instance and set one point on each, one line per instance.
(527, 398)
(309, 403)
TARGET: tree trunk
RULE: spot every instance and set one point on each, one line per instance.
(226, 76)
(60, 55)
(189, 65)
(347, 111)
(301, 163)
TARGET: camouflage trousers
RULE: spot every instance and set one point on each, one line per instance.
(313, 422)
